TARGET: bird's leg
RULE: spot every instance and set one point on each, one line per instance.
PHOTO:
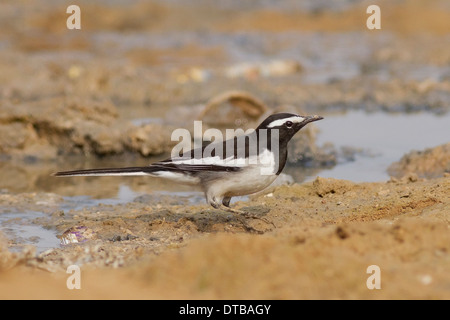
(226, 201)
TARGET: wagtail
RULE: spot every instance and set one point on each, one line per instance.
(235, 167)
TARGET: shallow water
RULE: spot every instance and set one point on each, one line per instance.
(383, 138)
(127, 194)
(19, 227)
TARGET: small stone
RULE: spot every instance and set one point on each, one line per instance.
(342, 233)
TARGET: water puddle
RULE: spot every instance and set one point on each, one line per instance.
(21, 229)
(126, 194)
(383, 139)
(24, 228)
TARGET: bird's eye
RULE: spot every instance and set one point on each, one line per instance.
(289, 124)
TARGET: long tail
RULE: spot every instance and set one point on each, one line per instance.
(129, 171)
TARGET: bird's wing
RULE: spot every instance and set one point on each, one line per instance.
(216, 156)
(192, 168)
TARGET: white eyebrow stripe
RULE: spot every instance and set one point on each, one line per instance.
(280, 122)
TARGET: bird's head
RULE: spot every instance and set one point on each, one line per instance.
(287, 124)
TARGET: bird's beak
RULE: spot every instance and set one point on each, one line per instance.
(309, 119)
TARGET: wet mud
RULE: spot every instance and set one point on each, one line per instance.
(327, 233)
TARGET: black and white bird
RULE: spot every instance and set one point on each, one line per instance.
(234, 167)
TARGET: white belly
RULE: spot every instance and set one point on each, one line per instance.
(238, 184)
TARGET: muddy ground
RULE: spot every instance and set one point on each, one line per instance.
(327, 233)
(114, 91)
